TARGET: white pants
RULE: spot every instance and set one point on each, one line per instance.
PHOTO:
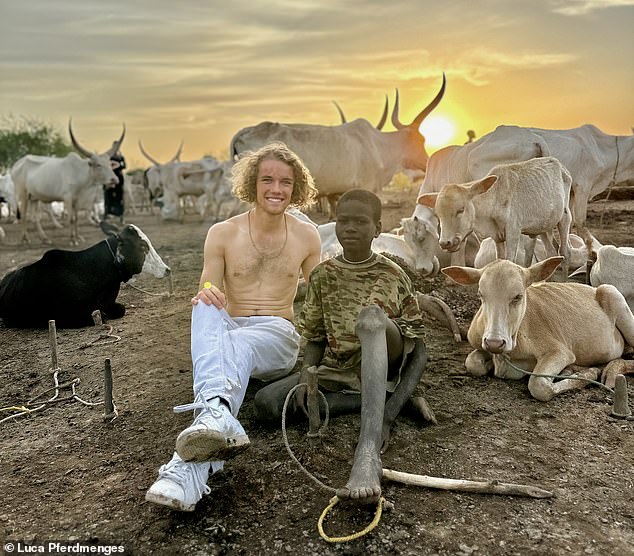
(227, 351)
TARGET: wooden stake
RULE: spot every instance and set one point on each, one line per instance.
(109, 412)
(52, 338)
(313, 405)
(170, 280)
(96, 317)
(482, 487)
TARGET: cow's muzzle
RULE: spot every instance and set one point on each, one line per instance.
(494, 345)
(451, 245)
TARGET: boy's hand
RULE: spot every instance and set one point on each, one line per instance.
(301, 395)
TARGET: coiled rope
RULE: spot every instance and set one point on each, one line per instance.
(333, 501)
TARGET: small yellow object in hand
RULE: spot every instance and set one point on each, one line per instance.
(207, 285)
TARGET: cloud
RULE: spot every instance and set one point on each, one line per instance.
(584, 7)
(478, 65)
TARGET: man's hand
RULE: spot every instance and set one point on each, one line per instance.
(210, 295)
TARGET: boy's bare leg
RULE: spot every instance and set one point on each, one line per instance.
(410, 377)
(364, 483)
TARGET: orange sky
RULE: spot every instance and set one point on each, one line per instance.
(199, 72)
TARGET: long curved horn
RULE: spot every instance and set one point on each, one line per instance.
(395, 121)
(81, 150)
(341, 114)
(117, 144)
(177, 156)
(146, 155)
(427, 110)
(383, 119)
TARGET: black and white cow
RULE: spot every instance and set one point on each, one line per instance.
(67, 286)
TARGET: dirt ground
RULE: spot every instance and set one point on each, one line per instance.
(67, 475)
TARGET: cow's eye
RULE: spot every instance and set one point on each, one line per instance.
(517, 299)
(460, 211)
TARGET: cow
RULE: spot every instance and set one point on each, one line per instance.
(579, 254)
(67, 286)
(76, 181)
(594, 159)
(527, 326)
(615, 265)
(530, 197)
(351, 155)
(384, 243)
(421, 233)
(176, 180)
(7, 196)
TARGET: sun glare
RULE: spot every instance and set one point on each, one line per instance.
(438, 131)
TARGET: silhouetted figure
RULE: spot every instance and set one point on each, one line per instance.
(113, 196)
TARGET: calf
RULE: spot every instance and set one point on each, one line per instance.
(67, 286)
(530, 197)
(542, 327)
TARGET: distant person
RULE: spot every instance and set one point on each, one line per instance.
(113, 196)
(470, 136)
(363, 328)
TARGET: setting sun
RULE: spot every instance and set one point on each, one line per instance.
(438, 131)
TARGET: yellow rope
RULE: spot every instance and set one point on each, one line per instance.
(331, 505)
(16, 408)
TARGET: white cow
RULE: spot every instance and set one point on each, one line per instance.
(578, 251)
(542, 327)
(615, 265)
(530, 197)
(74, 180)
(175, 180)
(593, 158)
(346, 156)
(384, 243)
(7, 195)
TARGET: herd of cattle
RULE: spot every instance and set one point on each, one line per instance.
(500, 197)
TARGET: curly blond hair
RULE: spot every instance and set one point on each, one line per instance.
(244, 175)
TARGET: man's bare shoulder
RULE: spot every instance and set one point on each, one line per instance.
(301, 227)
(228, 227)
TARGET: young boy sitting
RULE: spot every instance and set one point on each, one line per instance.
(363, 329)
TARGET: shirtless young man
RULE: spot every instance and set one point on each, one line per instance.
(242, 315)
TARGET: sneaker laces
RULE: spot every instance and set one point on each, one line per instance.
(199, 403)
(181, 473)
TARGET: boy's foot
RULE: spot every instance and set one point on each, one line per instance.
(364, 484)
(180, 485)
(215, 434)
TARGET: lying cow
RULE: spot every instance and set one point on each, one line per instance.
(615, 265)
(578, 251)
(420, 232)
(67, 286)
(530, 197)
(542, 327)
(384, 243)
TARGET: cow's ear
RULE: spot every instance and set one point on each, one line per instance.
(463, 275)
(483, 185)
(108, 228)
(542, 270)
(428, 199)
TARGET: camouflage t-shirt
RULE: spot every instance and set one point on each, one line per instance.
(337, 292)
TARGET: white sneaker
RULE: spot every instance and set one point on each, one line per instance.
(180, 485)
(214, 435)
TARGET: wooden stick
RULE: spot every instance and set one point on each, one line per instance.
(52, 338)
(482, 487)
(109, 411)
(96, 317)
(312, 400)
